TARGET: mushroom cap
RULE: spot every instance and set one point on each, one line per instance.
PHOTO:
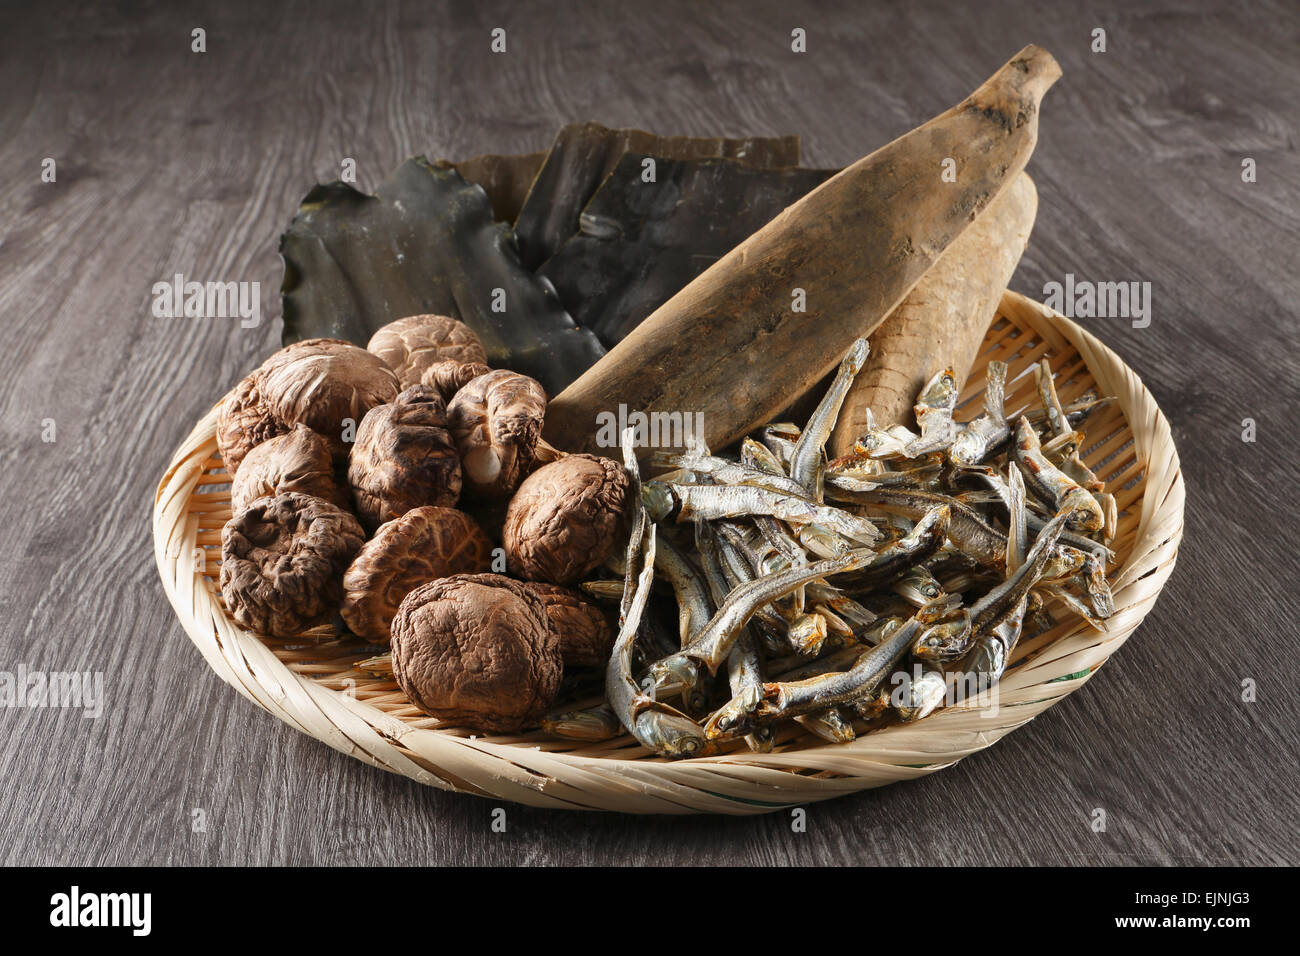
(477, 650)
(282, 561)
(323, 384)
(496, 420)
(410, 345)
(422, 545)
(565, 518)
(298, 460)
(450, 377)
(244, 422)
(586, 637)
(404, 458)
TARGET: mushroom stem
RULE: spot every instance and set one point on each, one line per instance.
(545, 452)
(482, 466)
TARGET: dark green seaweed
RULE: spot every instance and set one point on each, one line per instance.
(585, 153)
(640, 242)
(425, 242)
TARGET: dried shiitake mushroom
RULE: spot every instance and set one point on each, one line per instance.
(324, 383)
(477, 650)
(496, 420)
(565, 518)
(404, 458)
(410, 345)
(320, 383)
(296, 461)
(244, 422)
(586, 637)
(450, 377)
(282, 561)
(421, 546)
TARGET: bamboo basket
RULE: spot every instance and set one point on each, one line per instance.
(313, 685)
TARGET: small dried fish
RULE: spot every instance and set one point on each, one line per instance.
(946, 640)
(920, 694)
(1052, 486)
(656, 726)
(724, 472)
(809, 450)
(1074, 604)
(923, 477)
(894, 560)
(712, 645)
(776, 534)
(693, 610)
(590, 725)
(809, 620)
(712, 502)
(641, 521)
(744, 712)
(1057, 423)
(991, 651)
(853, 613)
(933, 410)
(1018, 519)
(744, 670)
(781, 446)
(604, 590)
(978, 439)
(757, 455)
(1111, 509)
(917, 586)
(1033, 522)
(829, 725)
(808, 634)
(877, 442)
(965, 527)
(1000, 602)
(822, 541)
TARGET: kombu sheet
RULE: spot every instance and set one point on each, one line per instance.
(613, 245)
(641, 242)
(425, 242)
(585, 153)
(506, 179)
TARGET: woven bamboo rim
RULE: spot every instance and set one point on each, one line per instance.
(311, 682)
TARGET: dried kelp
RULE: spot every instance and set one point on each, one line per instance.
(425, 242)
(640, 242)
(585, 153)
(506, 179)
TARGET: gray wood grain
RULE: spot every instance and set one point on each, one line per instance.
(170, 161)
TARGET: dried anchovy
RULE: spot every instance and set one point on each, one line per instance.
(815, 641)
(808, 453)
(712, 502)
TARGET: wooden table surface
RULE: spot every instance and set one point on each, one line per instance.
(171, 161)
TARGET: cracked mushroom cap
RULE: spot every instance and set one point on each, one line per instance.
(450, 377)
(421, 546)
(296, 461)
(324, 384)
(584, 631)
(496, 420)
(282, 562)
(244, 422)
(404, 458)
(477, 650)
(565, 518)
(411, 345)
